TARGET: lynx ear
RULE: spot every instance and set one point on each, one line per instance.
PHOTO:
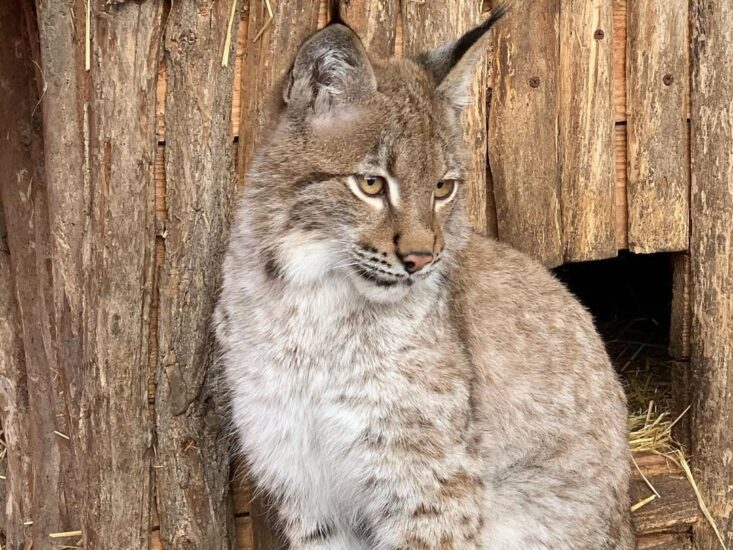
(331, 68)
(452, 65)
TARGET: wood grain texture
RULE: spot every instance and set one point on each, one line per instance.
(192, 459)
(427, 25)
(266, 62)
(657, 92)
(523, 131)
(711, 257)
(47, 500)
(619, 60)
(622, 214)
(586, 130)
(677, 508)
(89, 295)
(375, 22)
(679, 326)
(664, 541)
(17, 488)
(116, 270)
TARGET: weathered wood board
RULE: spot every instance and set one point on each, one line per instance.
(40, 481)
(523, 131)
(619, 60)
(586, 130)
(657, 99)
(665, 541)
(675, 510)
(192, 450)
(711, 258)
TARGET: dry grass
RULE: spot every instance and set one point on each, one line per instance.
(646, 369)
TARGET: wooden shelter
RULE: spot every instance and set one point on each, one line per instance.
(126, 127)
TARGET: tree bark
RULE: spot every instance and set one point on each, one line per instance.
(39, 459)
(192, 466)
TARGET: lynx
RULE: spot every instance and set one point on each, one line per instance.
(397, 381)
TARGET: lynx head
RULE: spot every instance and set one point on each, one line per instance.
(362, 176)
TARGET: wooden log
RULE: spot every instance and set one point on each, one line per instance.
(374, 22)
(271, 47)
(679, 329)
(192, 458)
(586, 130)
(620, 183)
(711, 254)
(102, 234)
(619, 60)
(47, 503)
(676, 509)
(245, 539)
(664, 541)
(657, 92)
(523, 131)
(681, 399)
(14, 404)
(427, 25)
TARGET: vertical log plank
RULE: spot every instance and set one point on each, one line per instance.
(14, 407)
(619, 60)
(103, 233)
(711, 257)
(192, 466)
(620, 171)
(375, 22)
(31, 381)
(271, 47)
(64, 110)
(523, 131)
(657, 99)
(586, 127)
(679, 330)
(427, 25)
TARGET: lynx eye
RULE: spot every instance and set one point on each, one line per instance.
(371, 185)
(444, 189)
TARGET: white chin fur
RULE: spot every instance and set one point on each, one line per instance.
(305, 259)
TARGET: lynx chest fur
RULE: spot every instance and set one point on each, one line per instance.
(397, 382)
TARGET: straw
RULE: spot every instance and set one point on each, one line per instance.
(228, 41)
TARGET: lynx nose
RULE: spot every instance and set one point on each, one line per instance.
(415, 261)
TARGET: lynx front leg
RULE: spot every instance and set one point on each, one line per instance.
(304, 530)
(435, 512)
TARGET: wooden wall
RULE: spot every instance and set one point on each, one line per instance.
(117, 191)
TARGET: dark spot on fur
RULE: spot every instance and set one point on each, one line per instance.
(272, 268)
(425, 510)
(362, 529)
(322, 532)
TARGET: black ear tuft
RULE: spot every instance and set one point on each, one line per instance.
(464, 43)
(335, 13)
(452, 65)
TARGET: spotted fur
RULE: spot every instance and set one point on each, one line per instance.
(467, 405)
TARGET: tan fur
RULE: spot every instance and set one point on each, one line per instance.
(470, 405)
